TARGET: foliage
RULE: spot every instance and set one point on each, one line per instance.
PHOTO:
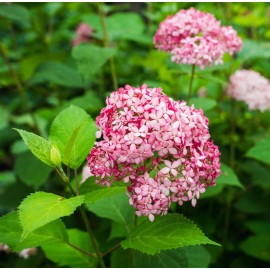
(52, 92)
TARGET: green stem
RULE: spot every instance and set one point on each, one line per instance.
(190, 82)
(77, 182)
(82, 250)
(135, 219)
(92, 237)
(232, 133)
(111, 249)
(106, 43)
(84, 217)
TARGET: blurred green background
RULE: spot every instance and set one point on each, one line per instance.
(41, 73)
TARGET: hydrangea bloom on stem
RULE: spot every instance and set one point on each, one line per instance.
(83, 34)
(195, 37)
(161, 147)
(251, 87)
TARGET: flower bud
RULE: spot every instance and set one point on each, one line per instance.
(55, 155)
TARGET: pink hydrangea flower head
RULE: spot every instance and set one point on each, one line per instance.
(251, 87)
(161, 147)
(83, 33)
(195, 37)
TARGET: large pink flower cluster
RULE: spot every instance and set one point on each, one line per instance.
(160, 146)
(83, 33)
(251, 87)
(195, 37)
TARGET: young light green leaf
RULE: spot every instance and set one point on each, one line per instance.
(30, 170)
(39, 146)
(166, 232)
(260, 151)
(90, 58)
(73, 131)
(228, 177)
(41, 208)
(257, 246)
(65, 255)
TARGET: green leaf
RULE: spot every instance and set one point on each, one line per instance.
(124, 25)
(89, 102)
(257, 246)
(90, 58)
(15, 12)
(258, 172)
(191, 256)
(121, 258)
(6, 178)
(205, 104)
(115, 207)
(39, 146)
(254, 50)
(251, 202)
(261, 151)
(65, 255)
(4, 115)
(50, 233)
(29, 64)
(117, 231)
(198, 256)
(41, 208)
(103, 194)
(212, 191)
(11, 231)
(30, 170)
(258, 226)
(228, 177)
(73, 131)
(59, 74)
(18, 147)
(175, 258)
(166, 232)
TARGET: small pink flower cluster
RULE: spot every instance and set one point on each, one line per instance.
(83, 34)
(251, 87)
(195, 37)
(160, 146)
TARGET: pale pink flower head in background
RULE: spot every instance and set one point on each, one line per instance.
(196, 37)
(252, 88)
(161, 147)
(83, 33)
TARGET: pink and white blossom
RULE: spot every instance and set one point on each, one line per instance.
(195, 37)
(163, 150)
(252, 88)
